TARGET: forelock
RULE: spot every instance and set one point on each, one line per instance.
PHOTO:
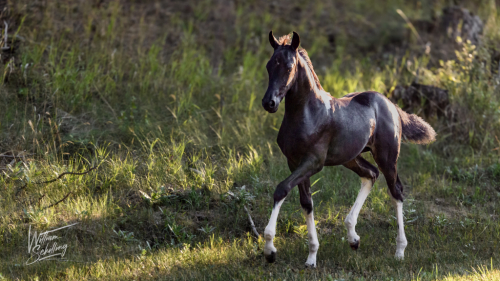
(285, 40)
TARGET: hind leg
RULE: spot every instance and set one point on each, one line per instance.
(386, 158)
(368, 174)
(401, 241)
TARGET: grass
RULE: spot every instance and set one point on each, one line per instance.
(164, 98)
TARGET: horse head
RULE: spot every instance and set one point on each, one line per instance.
(282, 69)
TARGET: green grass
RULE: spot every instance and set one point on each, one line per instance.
(165, 100)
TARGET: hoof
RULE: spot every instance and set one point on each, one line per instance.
(271, 258)
(310, 265)
(355, 245)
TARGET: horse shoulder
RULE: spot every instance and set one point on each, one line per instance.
(281, 138)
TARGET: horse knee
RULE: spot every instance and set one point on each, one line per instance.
(280, 193)
(306, 204)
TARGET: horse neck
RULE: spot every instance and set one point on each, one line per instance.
(303, 91)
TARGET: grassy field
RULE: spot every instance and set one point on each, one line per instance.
(163, 99)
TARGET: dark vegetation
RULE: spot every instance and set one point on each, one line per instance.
(164, 98)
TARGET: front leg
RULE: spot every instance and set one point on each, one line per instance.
(306, 169)
(307, 205)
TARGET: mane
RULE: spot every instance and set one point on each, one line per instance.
(287, 40)
(303, 54)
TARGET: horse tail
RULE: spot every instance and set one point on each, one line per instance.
(415, 129)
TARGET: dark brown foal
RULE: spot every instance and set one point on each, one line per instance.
(319, 130)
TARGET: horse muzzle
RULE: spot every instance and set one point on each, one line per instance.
(271, 104)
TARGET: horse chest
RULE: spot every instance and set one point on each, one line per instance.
(296, 141)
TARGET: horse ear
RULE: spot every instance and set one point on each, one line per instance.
(295, 40)
(273, 41)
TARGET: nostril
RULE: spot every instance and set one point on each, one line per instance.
(272, 104)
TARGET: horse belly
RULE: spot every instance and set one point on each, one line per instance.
(345, 147)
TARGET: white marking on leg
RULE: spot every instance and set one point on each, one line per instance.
(313, 239)
(270, 230)
(395, 116)
(401, 241)
(352, 218)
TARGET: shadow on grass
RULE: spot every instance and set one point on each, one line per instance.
(178, 239)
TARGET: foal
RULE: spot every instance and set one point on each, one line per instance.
(319, 130)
